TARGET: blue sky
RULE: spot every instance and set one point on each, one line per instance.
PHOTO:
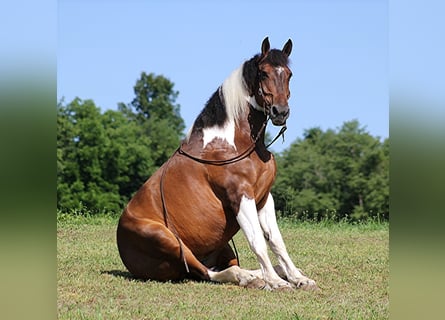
(339, 57)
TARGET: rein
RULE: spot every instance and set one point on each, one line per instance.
(281, 133)
(236, 158)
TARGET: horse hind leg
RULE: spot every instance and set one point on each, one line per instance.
(224, 268)
(150, 251)
(220, 259)
(227, 270)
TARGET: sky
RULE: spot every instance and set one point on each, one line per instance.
(339, 58)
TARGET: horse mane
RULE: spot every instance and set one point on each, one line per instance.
(235, 94)
(228, 102)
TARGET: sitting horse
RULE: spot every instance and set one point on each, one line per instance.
(179, 224)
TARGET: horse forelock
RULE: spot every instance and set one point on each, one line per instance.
(276, 58)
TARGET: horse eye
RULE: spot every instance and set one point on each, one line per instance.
(263, 75)
(290, 75)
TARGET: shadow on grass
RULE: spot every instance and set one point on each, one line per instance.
(128, 276)
(122, 274)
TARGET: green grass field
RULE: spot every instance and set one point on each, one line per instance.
(349, 262)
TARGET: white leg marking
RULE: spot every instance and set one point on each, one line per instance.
(233, 274)
(269, 226)
(225, 133)
(248, 220)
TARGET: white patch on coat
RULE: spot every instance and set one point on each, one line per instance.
(225, 133)
(279, 70)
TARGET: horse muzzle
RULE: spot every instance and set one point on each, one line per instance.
(279, 114)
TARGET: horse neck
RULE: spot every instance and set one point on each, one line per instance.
(251, 128)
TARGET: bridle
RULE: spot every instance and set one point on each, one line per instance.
(264, 94)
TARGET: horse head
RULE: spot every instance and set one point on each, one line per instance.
(271, 86)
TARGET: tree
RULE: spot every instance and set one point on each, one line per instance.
(81, 145)
(154, 108)
(331, 173)
(103, 158)
(128, 161)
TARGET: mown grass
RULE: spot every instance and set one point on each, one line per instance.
(349, 263)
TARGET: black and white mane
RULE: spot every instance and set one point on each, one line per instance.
(229, 102)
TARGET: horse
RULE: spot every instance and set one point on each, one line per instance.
(178, 225)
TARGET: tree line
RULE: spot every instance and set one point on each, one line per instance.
(104, 157)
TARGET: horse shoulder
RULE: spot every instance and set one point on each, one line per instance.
(250, 177)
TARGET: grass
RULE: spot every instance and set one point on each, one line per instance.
(349, 263)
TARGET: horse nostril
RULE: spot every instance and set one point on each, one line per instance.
(274, 111)
(277, 111)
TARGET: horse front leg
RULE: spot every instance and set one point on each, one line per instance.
(250, 225)
(268, 222)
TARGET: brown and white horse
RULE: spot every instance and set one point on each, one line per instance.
(178, 225)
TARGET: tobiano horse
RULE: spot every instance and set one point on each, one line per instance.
(179, 224)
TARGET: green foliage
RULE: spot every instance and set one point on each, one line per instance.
(103, 158)
(335, 175)
(154, 109)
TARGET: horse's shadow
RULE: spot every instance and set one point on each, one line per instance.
(122, 274)
(129, 277)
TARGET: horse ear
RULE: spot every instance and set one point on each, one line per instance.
(287, 49)
(265, 46)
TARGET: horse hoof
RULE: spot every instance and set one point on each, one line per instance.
(284, 289)
(308, 285)
(282, 286)
(256, 284)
